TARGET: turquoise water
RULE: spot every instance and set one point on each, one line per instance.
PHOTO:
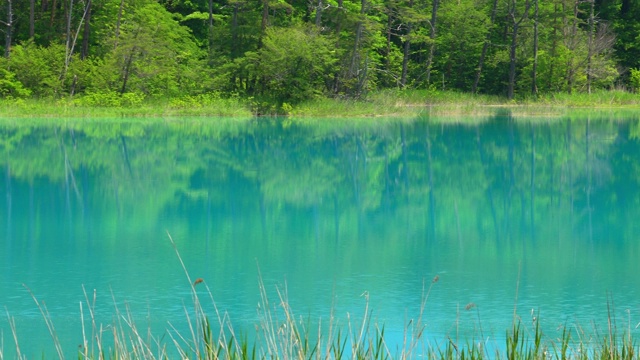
(532, 216)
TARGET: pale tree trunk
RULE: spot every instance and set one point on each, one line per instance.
(69, 15)
(71, 42)
(319, 9)
(432, 36)
(87, 32)
(9, 29)
(356, 44)
(485, 48)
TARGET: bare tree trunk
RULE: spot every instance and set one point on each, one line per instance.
(265, 14)
(572, 38)
(234, 31)
(514, 45)
(387, 59)
(32, 18)
(485, 47)
(534, 71)
(356, 44)
(432, 36)
(319, 9)
(9, 29)
(68, 32)
(53, 13)
(71, 43)
(210, 32)
(405, 58)
(512, 55)
(127, 70)
(87, 32)
(554, 47)
(210, 14)
(336, 75)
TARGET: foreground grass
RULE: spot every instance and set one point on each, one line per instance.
(388, 103)
(283, 335)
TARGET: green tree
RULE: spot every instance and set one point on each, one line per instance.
(463, 29)
(155, 55)
(294, 64)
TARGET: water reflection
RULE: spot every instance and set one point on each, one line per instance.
(333, 209)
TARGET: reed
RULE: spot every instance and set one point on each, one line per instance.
(281, 334)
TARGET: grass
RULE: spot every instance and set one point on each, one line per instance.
(387, 103)
(281, 334)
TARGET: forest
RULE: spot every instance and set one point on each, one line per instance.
(104, 52)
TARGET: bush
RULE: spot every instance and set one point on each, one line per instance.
(10, 87)
(634, 80)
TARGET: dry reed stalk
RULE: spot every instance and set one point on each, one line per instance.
(47, 319)
(14, 332)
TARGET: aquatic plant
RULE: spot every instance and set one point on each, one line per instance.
(281, 334)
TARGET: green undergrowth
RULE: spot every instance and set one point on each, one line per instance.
(282, 334)
(386, 103)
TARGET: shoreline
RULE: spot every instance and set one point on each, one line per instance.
(398, 104)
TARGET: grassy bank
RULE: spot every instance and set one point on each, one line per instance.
(396, 103)
(280, 333)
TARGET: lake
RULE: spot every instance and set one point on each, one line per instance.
(341, 218)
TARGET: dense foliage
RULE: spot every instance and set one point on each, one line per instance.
(282, 52)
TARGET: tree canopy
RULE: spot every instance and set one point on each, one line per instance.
(288, 51)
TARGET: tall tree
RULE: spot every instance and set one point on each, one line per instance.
(485, 47)
(516, 20)
(432, 36)
(462, 31)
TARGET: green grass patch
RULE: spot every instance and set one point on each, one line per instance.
(386, 103)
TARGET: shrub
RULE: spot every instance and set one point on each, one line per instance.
(634, 80)
(10, 87)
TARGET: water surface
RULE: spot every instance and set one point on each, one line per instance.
(510, 215)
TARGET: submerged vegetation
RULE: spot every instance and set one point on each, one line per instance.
(282, 334)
